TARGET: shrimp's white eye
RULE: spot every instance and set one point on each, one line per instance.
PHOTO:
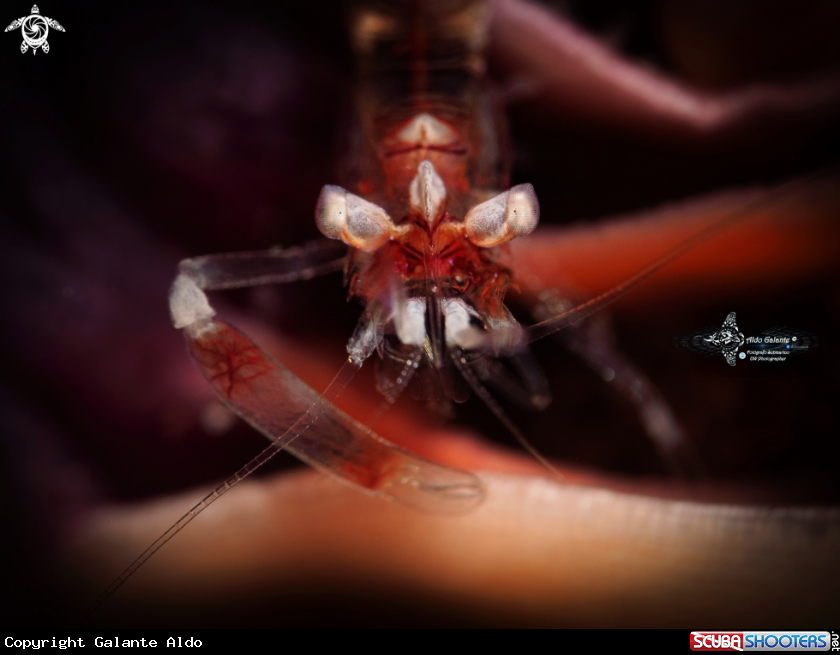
(427, 192)
(344, 215)
(514, 213)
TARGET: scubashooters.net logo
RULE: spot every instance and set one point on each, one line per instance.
(773, 345)
(34, 29)
(763, 641)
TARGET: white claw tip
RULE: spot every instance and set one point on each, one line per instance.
(187, 303)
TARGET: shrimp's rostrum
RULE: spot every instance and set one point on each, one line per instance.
(668, 467)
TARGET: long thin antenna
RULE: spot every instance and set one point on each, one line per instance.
(481, 391)
(555, 323)
(341, 380)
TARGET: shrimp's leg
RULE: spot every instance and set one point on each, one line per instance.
(247, 269)
(528, 388)
(287, 411)
(593, 343)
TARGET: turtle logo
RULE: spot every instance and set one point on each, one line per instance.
(34, 28)
(728, 339)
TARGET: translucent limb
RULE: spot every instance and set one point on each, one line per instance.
(528, 388)
(461, 363)
(284, 408)
(341, 380)
(247, 269)
(281, 406)
(294, 416)
(594, 346)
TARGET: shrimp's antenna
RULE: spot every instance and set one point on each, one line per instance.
(341, 380)
(582, 311)
(481, 391)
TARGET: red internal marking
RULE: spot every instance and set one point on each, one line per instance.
(228, 359)
(366, 187)
(373, 472)
(452, 150)
(459, 268)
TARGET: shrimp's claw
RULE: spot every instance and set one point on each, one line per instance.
(431, 487)
(296, 417)
(284, 408)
